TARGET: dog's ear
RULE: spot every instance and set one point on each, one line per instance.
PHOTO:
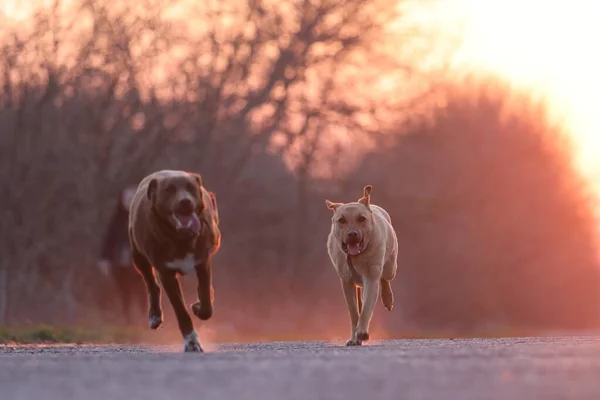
(331, 205)
(213, 200)
(366, 199)
(198, 179)
(151, 191)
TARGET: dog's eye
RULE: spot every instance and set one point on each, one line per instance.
(170, 189)
(342, 220)
(361, 218)
(190, 188)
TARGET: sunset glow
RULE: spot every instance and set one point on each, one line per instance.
(474, 120)
(548, 47)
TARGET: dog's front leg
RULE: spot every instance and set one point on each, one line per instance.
(203, 308)
(173, 290)
(144, 268)
(350, 296)
(371, 293)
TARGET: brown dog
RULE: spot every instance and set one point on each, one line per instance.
(363, 248)
(174, 229)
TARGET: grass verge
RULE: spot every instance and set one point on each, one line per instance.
(46, 334)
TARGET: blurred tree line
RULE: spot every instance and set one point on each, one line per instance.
(279, 105)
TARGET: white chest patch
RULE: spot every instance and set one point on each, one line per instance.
(185, 265)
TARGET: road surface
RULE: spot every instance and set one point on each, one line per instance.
(461, 369)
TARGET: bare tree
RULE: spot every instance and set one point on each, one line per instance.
(97, 94)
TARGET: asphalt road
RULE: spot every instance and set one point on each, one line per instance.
(519, 368)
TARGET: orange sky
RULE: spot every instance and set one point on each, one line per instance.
(549, 47)
(546, 46)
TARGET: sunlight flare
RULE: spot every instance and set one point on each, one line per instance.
(547, 48)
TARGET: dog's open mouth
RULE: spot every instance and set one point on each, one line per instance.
(187, 223)
(353, 248)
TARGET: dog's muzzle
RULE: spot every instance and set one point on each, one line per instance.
(184, 218)
(353, 244)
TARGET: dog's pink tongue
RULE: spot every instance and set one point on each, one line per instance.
(353, 249)
(189, 222)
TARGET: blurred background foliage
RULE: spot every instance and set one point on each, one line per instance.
(279, 105)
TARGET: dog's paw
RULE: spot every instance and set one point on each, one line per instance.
(191, 344)
(202, 312)
(192, 347)
(388, 302)
(155, 321)
(387, 296)
(353, 342)
(362, 336)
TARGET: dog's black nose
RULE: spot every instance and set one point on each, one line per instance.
(185, 206)
(352, 235)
